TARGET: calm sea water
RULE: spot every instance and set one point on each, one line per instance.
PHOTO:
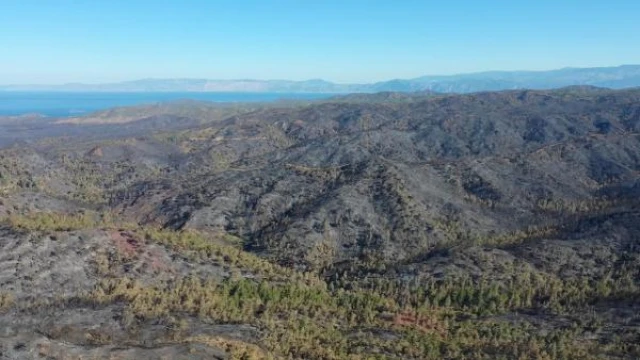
(78, 103)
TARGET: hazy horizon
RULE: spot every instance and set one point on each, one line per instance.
(317, 78)
(357, 41)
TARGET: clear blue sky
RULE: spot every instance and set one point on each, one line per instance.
(57, 41)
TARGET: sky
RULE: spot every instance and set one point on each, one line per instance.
(345, 41)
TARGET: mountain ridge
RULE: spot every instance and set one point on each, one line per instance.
(622, 76)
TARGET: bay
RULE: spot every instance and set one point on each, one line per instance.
(63, 104)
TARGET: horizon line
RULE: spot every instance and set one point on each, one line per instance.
(316, 79)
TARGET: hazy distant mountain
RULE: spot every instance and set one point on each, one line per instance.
(610, 77)
(200, 85)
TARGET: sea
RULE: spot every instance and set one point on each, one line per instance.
(64, 104)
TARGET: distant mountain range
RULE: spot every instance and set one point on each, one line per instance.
(610, 77)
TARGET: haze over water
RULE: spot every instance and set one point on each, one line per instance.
(60, 104)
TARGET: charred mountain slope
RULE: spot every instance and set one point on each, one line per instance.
(483, 226)
(389, 181)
